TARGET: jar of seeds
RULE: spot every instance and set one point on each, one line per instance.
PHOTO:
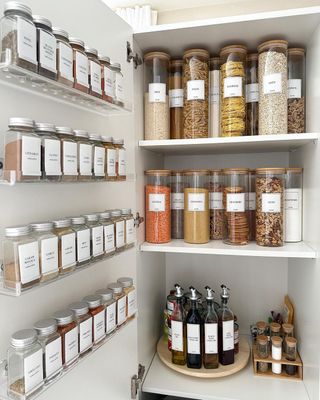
(216, 186)
(296, 90)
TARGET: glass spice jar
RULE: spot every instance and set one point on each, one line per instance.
(261, 328)
(176, 98)
(98, 156)
(130, 234)
(69, 154)
(97, 311)
(262, 352)
(94, 70)
(252, 95)
(291, 354)
(275, 329)
(120, 159)
(84, 321)
(106, 79)
(293, 199)
(118, 85)
(66, 245)
(251, 204)
(108, 233)
(216, 187)
(119, 230)
(177, 186)
(287, 331)
(64, 57)
(276, 351)
(83, 241)
(96, 236)
(80, 65)
(296, 90)
(110, 158)
(110, 309)
(130, 291)
(121, 299)
(84, 155)
(214, 97)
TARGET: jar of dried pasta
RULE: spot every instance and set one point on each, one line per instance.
(270, 201)
(111, 154)
(216, 186)
(296, 90)
(232, 90)
(80, 65)
(196, 93)
(252, 95)
(176, 98)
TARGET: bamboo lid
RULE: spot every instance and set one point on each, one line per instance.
(270, 170)
(202, 172)
(291, 342)
(177, 173)
(196, 52)
(283, 44)
(231, 171)
(275, 327)
(294, 170)
(156, 54)
(252, 57)
(234, 48)
(296, 51)
(162, 172)
(176, 63)
(276, 340)
(261, 325)
(215, 171)
(287, 328)
(262, 339)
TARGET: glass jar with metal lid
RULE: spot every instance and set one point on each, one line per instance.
(50, 151)
(20, 141)
(50, 341)
(214, 97)
(94, 72)
(99, 156)
(66, 245)
(108, 233)
(293, 199)
(25, 365)
(97, 311)
(83, 241)
(84, 155)
(110, 309)
(296, 90)
(119, 229)
(80, 65)
(111, 154)
(130, 291)
(176, 98)
(106, 79)
(216, 187)
(120, 159)
(177, 186)
(130, 234)
(84, 321)
(69, 154)
(48, 250)
(46, 47)
(252, 95)
(64, 57)
(118, 85)
(121, 299)
(18, 36)
(96, 235)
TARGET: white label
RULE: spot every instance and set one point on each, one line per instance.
(121, 310)
(95, 74)
(119, 234)
(195, 90)
(97, 241)
(65, 61)
(33, 371)
(53, 357)
(177, 201)
(71, 344)
(130, 231)
(111, 317)
(252, 93)
(271, 202)
(31, 156)
(29, 262)
(111, 162)
(70, 158)
(99, 325)
(85, 159)
(211, 338)
(293, 215)
(121, 162)
(99, 161)
(216, 201)
(193, 338)
(196, 201)
(85, 332)
(82, 76)
(83, 245)
(27, 40)
(157, 202)
(68, 250)
(49, 255)
(119, 87)
(232, 86)
(132, 303)
(176, 98)
(48, 50)
(228, 335)
(108, 82)
(272, 83)
(215, 87)
(252, 201)
(157, 92)
(235, 202)
(276, 352)
(294, 88)
(109, 244)
(52, 158)
(292, 199)
(177, 335)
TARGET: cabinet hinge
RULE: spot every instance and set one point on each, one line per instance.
(136, 381)
(137, 60)
(138, 220)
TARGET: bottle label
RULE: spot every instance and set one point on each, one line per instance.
(121, 310)
(252, 201)
(70, 158)
(65, 61)
(177, 335)
(176, 98)
(193, 338)
(121, 162)
(71, 344)
(52, 158)
(85, 334)
(235, 202)
(252, 93)
(49, 255)
(97, 241)
(211, 338)
(82, 76)
(33, 371)
(170, 306)
(108, 82)
(47, 49)
(215, 87)
(177, 201)
(294, 88)
(157, 92)
(68, 252)
(99, 325)
(53, 357)
(83, 245)
(195, 90)
(228, 335)
(27, 41)
(216, 202)
(271, 202)
(130, 231)
(196, 201)
(109, 244)
(119, 234)
(95, 73)
(157, 202)
(111, 317)
(292, 199)
(99, 161)
(29, 262)
(30, 163)
(111, 162)
(119, 87)
(232, 87)
(85, 159)
(272, 83)
(132, 303)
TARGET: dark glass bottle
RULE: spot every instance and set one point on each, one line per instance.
(178, 329)
(210, 333)
(194, 325)
(226, 329)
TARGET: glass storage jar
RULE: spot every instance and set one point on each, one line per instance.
(120, 159)
(232, 90)
(84, 155)
(18, 36)
(64, 57)
(46, 47)
(25, 366)
(196, 209)
(291, 354)
(69, 154)
(50, 341)
(262, 352)
(214, 97)
(48, 250)
(130, 291)
(119, 230)
(261, 328)
(94, 70)
(83, 241)
(97, 311)
(177, 186)
(66, 245)
(156, 100)
(216, 186)
(293, 197)
(99, 156)
(235, 204)
(158, 219)
(50, 151)
(276, 351)
(251, 204)
(176, 98)
(84, 321)
(110, 158)
(287, 331)
(108, 233)
(80, 65)
(273, 102)
(110, 309)
(96, 236)
(130, 234)
(270, 202)
(118, 85)
(20, 259)
(20, 142)
(196, 93)
(106, 79)
(121, 299)
(252, 95)
(296, 90)
(275, 329)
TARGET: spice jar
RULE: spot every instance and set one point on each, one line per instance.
(20, 259)
(110, 309)
(22, 155)
(235, 204)
(120, 159)
(80, 65)
(130, 291)
(83, 241)
(296, 90)
(214, 96)
(50, 341)
(68, 330)
(177, 204)
(232, 90)
(69, 154)
(108, 233)
(293, 205)
(158, 221)
(276, 353)
(18, 36)
(84, 155)
(25, 366)
(98, 155)
(84, 321)
(261, 328)
(287, 330)
(97, 311)
(96, 236)
(156, 101)
(119, 230)
(275, 329)
(106, 79)
(50, 151)
(66, 245)
(94, 70)
(291, 354)
(48, 250)
(252, 95)
(130, 234)
(176, 98)
(64, 57)
(196, 209)
(121, 300)
(110, 158)
(273, 87)
(251, 204)
(269, 214)
(118, 85)
(196, 93)
(216, 186)
(263, 352)
(46, 48)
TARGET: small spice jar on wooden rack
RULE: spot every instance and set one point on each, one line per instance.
(216, 187)
(64, 57)
(261, 328)
(130, 291)
(296, 90)
(176, 98)
(293, 205)
(108, 233)
(262, 352)
(291, 354)
(80, 65)
(121, 299)
(130, 234)
(96, 235)
(66, 245)
(119, 230)
(110, 309)
(276, 349)
(85, 159)
(69, 154)
(287, 331)
(98, 157)
(84, 321)
(97, 311)
(94, 69)
(106, 79)
(252, 95)
(275, 329)
(83, 241)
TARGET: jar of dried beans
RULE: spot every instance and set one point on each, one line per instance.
(64, 57)
(85, 159)
(66, 245)
(158, 222)
(296, 90)
(80, 65)
(177, 204)
(293, 197)
(97, 311)
(106, 79)
(69, 154)
(252, 95)
(214, 95)
(270, 202)
(216, 186)
(196, 93)
(94, 69)
(176, 98)
(251, 204)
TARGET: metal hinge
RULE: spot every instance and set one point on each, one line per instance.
(138, 220)
(137, 60)
(136, 381)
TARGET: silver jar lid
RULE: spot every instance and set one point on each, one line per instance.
(91, 217)
(21, 122)
(105, 215)
(116, 213)
(104, 58)
(80, 133)
(46, 326)
(116, 66)
(60, 32)
(42, 226)
(116, 287)
(16, 6)
(91, 50)
(63, 317)
(96, 138)
(78, 220)
(118, 141)
(125, 281)
(76, 41)
(38, 19)
(93, 300)
(64, 130)
(107, 139)
(14, 231)
(45, 127)
(125, 211)
(79, 308)
(106, 294)
(62, 223)
(24, 338)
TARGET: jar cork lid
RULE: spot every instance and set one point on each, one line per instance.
(60, 32)
(294, 170)
(46, 326)
(155, 172)
(176, 63)
(156, 54)
(125, 282)
(276, 340)
(291, 342)
(23, 338)
(116, 287)
(275, 327)
(195, 172)
(93, 300)
(287, 328)
(196, 53)
(106, 294)
(296, 51)
(270, 170)
(262, 339)
(38, 19)
(282, 44)
(63, 317)
(231, 171)
(233, 48)
(261, 325)
(252, 57)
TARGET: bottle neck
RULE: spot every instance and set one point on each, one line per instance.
(224, 303)
(194, 304)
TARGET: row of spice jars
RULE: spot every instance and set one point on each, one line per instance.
(38, 356)
(39, 252)
(199, 96)
(235, 205)
(31, 42)
(41, 151)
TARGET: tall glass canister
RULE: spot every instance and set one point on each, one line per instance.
(214, 97)
(177, 204)
(216, 187)
(251, 204)
(293, 202)
(252, 95)
(296, 90)
(176, 98)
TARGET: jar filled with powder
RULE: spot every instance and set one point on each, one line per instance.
(83, 241)
(84, 321)
(110, 309)
(66, 245)
(121, 299)
(108, 233)
(64, 57)
(69, 154)
(96, 229)
(94, 69)
(97, 311)
(80, 65)
(130, 291)
(85, 159)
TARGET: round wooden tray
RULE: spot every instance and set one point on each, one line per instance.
(241, 360)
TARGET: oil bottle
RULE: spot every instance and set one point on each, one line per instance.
(178, 329)
(210, 333)
(226, 329)
(194, 325)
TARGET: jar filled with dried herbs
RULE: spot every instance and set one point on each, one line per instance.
(216, 187)
(252, 95)
(176, 98)
(80, 65)
(251, 204)
(94, 69)
(296, 90)
(69, 154)
(66, 245)
(214, 95)
(177, 204)
(64, 57)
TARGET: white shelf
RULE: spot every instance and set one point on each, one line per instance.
(216, 247)
(229, 145)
